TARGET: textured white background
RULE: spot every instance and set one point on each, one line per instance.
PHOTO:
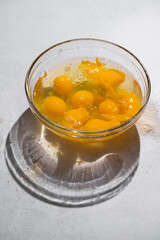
(26, 29)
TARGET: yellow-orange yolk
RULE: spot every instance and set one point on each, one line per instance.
(88, 67)
(54, 106)
(63, 85)
(121, 102)
(114, 77)
(66, 124)
(98, 99)
(107, 78)
(133, 105)
(128, 103)
(101, 105)
(98, 124)
(98, 63)
(100, 74)
(115, 116)
(77, 117)
(108, 106)
(82, 98)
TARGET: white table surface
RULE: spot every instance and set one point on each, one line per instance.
(29, 27)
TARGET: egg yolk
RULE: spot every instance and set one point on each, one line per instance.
(100, 74)
(88, 67)
(114, 77)
(108, 106)
(82, 99)
(107, 78)
(54, 106)
(77, 117)
(98, 124)
(115, 116)
(63, 85)
(98, 99)
(133, 105)
(100, 105)
(128, 103)
(66, 124)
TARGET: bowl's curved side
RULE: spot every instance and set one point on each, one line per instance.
(78, 45)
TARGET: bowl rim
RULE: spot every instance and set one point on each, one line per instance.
(119, 127)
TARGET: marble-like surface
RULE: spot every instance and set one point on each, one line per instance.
(26, 29)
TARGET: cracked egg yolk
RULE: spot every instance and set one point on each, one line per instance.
(77, 117)
(102, 75)
(129, 103)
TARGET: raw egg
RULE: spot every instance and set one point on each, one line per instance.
(63, 85)
(82, 98)
(108, 106)
(128, 103)
(77, 117)
(54, 106)
(98, 124)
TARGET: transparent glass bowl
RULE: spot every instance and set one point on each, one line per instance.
(91, 48)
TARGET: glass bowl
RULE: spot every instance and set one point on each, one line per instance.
(91, 48)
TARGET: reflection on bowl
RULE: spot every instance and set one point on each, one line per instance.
(80, 48)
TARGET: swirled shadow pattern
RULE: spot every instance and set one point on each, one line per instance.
(67, 173)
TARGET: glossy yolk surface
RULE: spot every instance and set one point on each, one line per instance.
(107, 78)
(128, 103)
(102, 75)
(108, 106)
(77, 117)
(82, 99)
(98, 124)
(133, 104)
(63, 85)
(54, 106)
